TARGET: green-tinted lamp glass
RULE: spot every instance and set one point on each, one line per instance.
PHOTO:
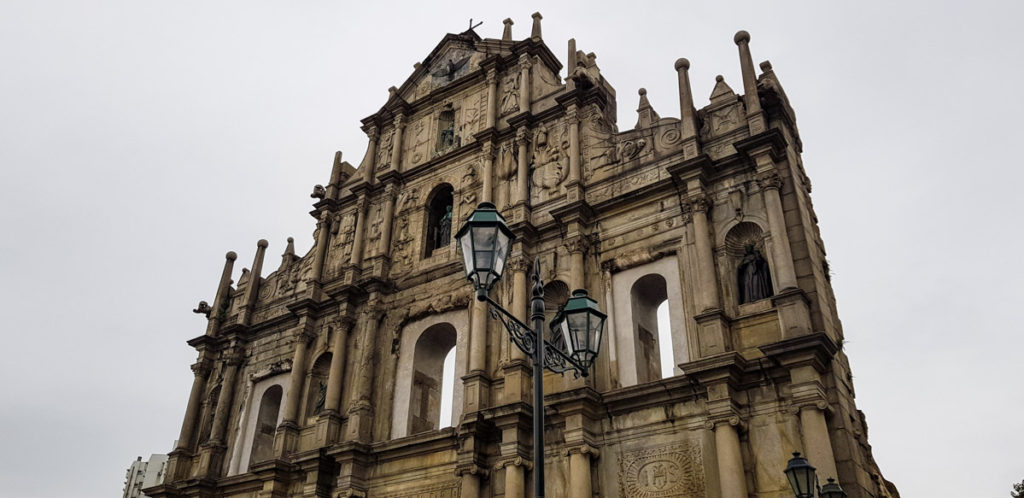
(485, 241)
(831, 489)
(801, 476)
(581, 324)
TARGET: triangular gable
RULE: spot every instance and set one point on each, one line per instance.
(722, 92)
(453, 57)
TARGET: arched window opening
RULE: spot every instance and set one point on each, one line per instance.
(316, 390)
(665, 342)
(447, 390)
(432, 348)
(647, 294)
(439, 219)
(266, 425)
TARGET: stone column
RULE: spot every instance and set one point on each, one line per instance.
(708, 292)
(360, 412)
(369, 163)
(396, 143)
(525, 95)
(323, 232)
(478, 337)
(201, 369)
(817, 444)
(523, 175)
(470, 485)
(520, 298)
(357, 244)
(579, 472)
(227, 392)
(782, 258)
(335, 184)
(223, 287)
(609, 327)
(574, 144)
(389, 215)
(517, 371)
(576, 246)
(688, 116)
(492, 97)
(515, 479)
(329, 423)
(731, 478)
(755, 117)
(287, 436)
(488, 174)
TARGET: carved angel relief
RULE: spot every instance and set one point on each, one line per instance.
(384, 150)
(510, 94)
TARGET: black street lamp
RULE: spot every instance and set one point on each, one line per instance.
(485, 240)
(804, 480)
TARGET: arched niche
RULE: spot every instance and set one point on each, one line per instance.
(255, 393)
(423, 347)
(747, 272)
(316, 386)
(636, 293)
(438, 226)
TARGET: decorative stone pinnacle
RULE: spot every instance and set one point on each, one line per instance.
(231, 256)
(719, 78)
(262, 243)
(766, 66)
(741, 37)
(642, 92)
(506, 35)
(535, 33)
(682, 63)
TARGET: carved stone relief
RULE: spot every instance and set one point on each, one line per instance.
(384, 150)
(449, 489)
(597, 142)
(507, 167)
(419, 140)
(671, 470)
(550, 158)
(475, 106)
(510, 94)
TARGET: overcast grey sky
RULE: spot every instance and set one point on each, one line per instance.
(141, 140)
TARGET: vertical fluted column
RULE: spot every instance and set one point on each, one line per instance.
(389, 214)
(323, 232)
(220, 300)
(687, 114)
(523, 175)
(817, 444)
(396, 143)
(488, 174)
(201, 369)
(253, 288)
(782, 257)
(332, 403)
(731, 478)
(492, 97)
(755, 118)
(227, 392)
(574, 144)
(525, 90)
(708, 293)
(371, 155)
(357, 244)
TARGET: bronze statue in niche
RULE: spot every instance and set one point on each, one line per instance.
(754, 279)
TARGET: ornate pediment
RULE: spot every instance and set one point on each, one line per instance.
(454, 57)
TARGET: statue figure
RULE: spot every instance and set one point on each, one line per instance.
(319, 192)
(203, 308)
(443, 231)
(321, 398)
(755, 281)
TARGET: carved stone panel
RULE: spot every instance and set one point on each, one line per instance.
(443, 490)
(675, 470)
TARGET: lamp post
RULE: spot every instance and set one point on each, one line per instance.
(804, 480)
(485, 240)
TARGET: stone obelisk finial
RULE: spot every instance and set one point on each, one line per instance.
(535, 33)
(335, 184)
(506, 35)
(687, 114)
(755, 117)
(223, 287)
(252, 291)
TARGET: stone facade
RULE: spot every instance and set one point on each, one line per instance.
(322, 377)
